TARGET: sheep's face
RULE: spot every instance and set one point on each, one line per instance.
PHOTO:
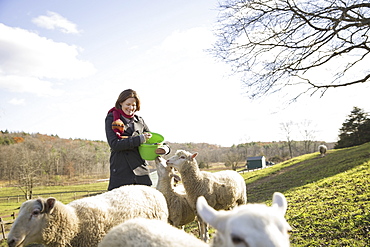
(31, 220)
(180, 158)
(162, 169)
(252, 225)
(258, 226)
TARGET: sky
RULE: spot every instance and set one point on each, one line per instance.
(64, 63)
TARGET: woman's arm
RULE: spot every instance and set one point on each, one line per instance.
(114, 142)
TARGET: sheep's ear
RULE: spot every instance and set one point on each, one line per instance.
(176, 177)
(49, 205)
(162, 161)
(279, 201)
(205, 211)
(194, 155)
(41, 204)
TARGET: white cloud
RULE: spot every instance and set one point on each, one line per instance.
(191, 41)
(55, 21)
(23, 84)
(16, 101)
(26, 59)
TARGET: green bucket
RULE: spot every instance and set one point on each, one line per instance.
(156, 138)
(147, 149)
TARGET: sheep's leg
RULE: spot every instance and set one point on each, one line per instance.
(203, 229)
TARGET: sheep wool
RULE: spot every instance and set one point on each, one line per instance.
(322, 150)
(222, 190)
(251, 225)
(84, 222)
(141, 232)
(180, 212)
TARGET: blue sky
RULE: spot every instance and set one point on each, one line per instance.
(64, 63)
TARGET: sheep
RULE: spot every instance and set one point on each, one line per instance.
(84, 222)
(223, 190)
(180, 212)
(249, 225)
(142, 232)
(322, 150)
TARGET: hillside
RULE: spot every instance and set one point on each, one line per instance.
(328, 197)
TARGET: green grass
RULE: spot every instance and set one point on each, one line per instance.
(63, 193)
(328, 197)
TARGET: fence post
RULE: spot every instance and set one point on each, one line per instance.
(2, 227)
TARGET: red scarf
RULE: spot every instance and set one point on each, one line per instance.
(117, 125)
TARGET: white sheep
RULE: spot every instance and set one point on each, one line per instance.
(84, 222)
(322, 150)
(251, 225)
(223, 190)
(180, 212)
(141, 232)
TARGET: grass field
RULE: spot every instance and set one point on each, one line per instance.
(328, 197)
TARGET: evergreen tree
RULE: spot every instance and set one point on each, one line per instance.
(364, 132)
(355, 130)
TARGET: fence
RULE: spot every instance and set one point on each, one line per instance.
(7, 220)
(4, 222)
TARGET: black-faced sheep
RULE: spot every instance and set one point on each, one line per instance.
(84, 222)
(180, 212)
(322, 150)
(141, 232)
(223, 190)
(251, 225)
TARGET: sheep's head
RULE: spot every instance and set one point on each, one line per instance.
(162, 169)
(165, 171)
(31, 220)
(180, 158)
(251, 225)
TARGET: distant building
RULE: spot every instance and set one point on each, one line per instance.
(256, 162)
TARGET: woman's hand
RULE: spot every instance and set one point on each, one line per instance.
(147, 135)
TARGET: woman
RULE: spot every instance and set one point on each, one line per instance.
(125, 132)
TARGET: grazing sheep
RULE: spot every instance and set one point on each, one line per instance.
(322, 150)
(84, 222)
(141, 232)
(223, 190)
(249, 225)
(179, 211)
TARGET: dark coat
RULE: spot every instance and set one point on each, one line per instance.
(125, 156)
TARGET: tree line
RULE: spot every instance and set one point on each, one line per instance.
(28, 160)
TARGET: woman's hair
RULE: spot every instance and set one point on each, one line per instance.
(128, 93)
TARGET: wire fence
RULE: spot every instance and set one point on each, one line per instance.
(7, 220)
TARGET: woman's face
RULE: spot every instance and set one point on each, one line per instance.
(129, 106)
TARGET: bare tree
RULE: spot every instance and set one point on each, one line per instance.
(29, 169)
(279, 43)
(288, 129)
(308, 132)
(235, 155)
